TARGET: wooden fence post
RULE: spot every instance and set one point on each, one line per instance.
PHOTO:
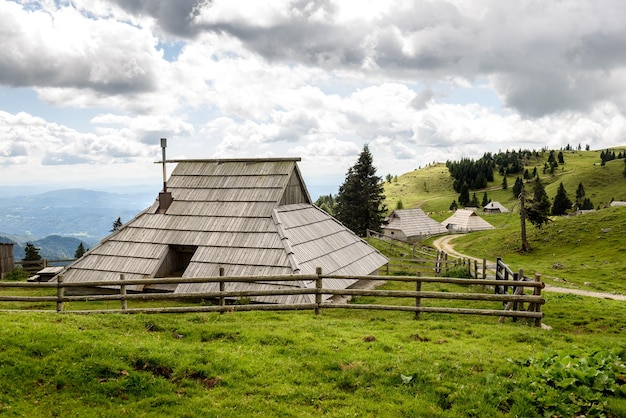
(418, 299)
(318, 293)
(123, 292)
(60, 293)
(445, 257)
(520, 276)
(537, 292)
(484, 269)
(476, 269)
(222, 288)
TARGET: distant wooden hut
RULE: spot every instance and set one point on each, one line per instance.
(465, 220)
(252, 217)
(6, 259)
(495, 207)
(411, 225)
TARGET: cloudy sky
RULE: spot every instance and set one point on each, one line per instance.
(87, 87)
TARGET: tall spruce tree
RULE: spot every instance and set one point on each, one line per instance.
(31, 253)
(561, 202)
(485, 201)
(464, 197)
(580, 194)
(80, 251)
(518, 187)
(359, 203)
(539, 206)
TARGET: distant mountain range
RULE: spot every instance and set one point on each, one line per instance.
(57, 221)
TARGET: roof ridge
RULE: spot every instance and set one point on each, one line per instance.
(285, 241)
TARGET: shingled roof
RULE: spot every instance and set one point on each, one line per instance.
(252, 217)
(411, 224)
(466, 220)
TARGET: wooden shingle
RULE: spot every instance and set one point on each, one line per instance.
(251, 217)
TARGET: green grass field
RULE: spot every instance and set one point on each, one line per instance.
(430, 187)
(357, 363)
(342, 363)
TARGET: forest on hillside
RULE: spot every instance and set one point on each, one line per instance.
(469, 174)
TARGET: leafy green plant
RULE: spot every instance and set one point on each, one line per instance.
(16, 275)
(458, 272)
(572, 383)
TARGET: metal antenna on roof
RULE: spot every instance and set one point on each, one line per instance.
(163, 146)
(165, 198)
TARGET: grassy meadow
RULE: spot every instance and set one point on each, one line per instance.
(430, 187)
(586, 251)
(294, 364)
(346, 363)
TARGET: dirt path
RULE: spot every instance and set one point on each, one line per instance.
(445, 244)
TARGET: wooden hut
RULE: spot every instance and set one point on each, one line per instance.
(495, 207)
(251, 217)
(465, 220)
(6, 259)
(411, 225)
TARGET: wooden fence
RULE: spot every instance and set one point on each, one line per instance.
(512, 303)
(419, 259)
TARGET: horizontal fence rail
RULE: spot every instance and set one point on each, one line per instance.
(100, 290)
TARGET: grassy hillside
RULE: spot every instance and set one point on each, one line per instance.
(430, 188)
(586, 251)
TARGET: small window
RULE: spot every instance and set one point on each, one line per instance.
(176, 260)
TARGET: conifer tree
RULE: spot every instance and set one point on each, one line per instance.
(31, 253)
(539, 206)
(485, 201)
(359, 203)
(561, 202)
(474, 201)
(117, 225)
(580, 193)
(464, 199)
(80, 250)
(517, 187)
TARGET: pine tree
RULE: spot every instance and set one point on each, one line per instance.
(464, 198)
(504, 183)
(485, 201)
(539, 206)
(31, 253)
(580, 193)
(117, 225)
(453, 206)
(80, 250)
(360, 201)
(474, 201)
(561, 202)
(326, 203)
(586, 204)
(518, 187)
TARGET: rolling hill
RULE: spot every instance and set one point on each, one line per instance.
(584, 251)
(430, 187)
